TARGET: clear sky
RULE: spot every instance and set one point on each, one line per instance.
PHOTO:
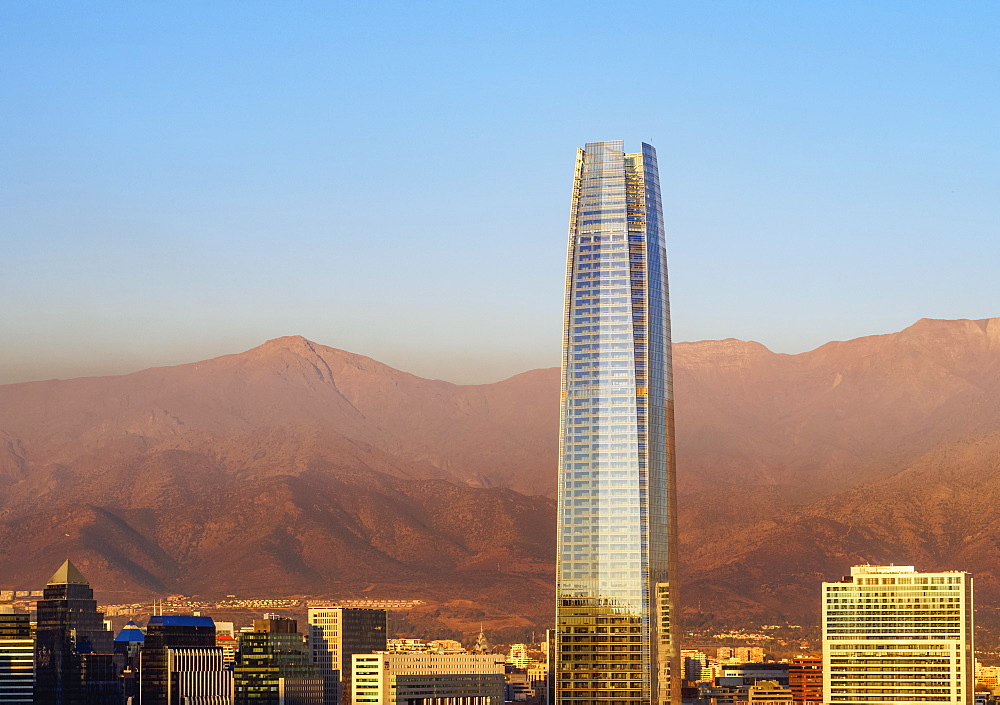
(180, 180)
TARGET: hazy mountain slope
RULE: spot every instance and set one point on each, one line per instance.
(495, 434)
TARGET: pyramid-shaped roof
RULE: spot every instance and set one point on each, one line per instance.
(68, 574)
(131, 632)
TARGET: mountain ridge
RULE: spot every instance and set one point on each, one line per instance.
(325, 469)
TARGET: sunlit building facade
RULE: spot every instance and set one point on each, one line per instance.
(428, 679)
(893, 635)
(336, 634)
(617, 548)
(17, 661)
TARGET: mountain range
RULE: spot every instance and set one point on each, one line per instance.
(299, 469)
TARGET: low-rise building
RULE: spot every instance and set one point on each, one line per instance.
(454, 678)
(17, 658)
(769, 693)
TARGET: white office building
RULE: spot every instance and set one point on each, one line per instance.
(893, 635)
(429, 678)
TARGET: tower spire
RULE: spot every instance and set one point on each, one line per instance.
(481, 646)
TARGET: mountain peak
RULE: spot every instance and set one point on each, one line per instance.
(294, 344)
(984, 333)
(728, 353)
(286, 342)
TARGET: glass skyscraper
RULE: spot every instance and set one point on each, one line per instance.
(617, 545)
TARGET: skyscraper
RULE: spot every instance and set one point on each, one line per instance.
(74, 656)
(335, 635)
(805, 680)
(180, 663)
(617, 548)
(128, 647)
(893, 635)
(273, 667)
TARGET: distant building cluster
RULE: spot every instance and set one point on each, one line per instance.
(891, 635)
(68, 655)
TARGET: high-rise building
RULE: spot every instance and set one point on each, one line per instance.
(336, 634)
(617, 548)
(893, 635)
(805, 680)
(694, 664)
(455, 679)
(128, 646)
(74, 656)
(273, 667)
(17, 658)
(181, 665)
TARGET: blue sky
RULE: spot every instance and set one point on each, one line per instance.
(184, 180)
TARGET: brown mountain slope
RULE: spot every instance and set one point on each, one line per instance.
(759, 431)
(297, 468)
(940, 513)
(269, 515)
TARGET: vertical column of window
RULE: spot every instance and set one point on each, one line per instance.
(635, 189)
(606, 218)
(574, 444)
(661, 481)
(593, 274)
(588, 367)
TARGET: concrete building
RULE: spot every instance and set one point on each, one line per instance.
(893, 635)
(694, 665)
(747, 674)
(769, 693)
(428, 678)
(336, 634)
(740, 654)
(805, 680)
(518, 656)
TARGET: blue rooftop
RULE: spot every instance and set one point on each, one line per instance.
(180, 620)
(130, 632)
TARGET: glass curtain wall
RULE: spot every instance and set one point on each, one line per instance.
(617, 532)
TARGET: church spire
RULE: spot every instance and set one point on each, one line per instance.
(481, 647)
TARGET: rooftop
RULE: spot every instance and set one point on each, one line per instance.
(68, 574)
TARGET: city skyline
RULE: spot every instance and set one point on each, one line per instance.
(617, 513)
(188, 181)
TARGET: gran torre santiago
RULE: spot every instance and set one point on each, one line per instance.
(616, 641)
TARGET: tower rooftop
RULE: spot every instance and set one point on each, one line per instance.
(68, 574)
(131, 632)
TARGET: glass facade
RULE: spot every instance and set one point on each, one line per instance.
(166, 634)
(335, 635)
(74, 661)
(271, 657)
(616, 569)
